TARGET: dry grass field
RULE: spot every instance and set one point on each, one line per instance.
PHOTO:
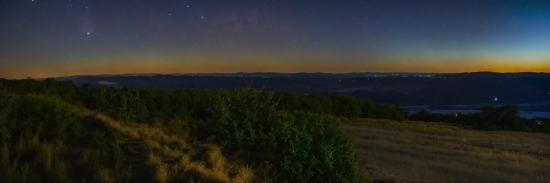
(410, 151)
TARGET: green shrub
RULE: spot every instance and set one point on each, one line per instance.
(244, 116)
(49, 118)
(6, 100)
(300, 146)
(313, 148)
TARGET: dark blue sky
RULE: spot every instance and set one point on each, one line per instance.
(46, 38)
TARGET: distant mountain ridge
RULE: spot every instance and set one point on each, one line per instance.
(402, 88)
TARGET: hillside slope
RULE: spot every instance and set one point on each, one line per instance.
(410, 151)
(44, 139)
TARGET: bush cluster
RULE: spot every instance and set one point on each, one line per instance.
(302, 146)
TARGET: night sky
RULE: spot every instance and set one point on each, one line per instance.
(47, 38)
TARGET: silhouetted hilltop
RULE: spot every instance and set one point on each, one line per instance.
(403, 88)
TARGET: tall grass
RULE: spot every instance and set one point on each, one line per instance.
(35, 131)
(31, 160)
(172, 158)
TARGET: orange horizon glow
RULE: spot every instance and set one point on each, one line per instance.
(20, 71)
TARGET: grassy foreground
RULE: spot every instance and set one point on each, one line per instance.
(106, 150)
(244, 139)
(411, 151)
(108, 135)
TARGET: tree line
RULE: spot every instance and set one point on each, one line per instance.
(490, 118)
(148, 105)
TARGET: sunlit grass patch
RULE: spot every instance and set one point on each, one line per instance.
(171, 158)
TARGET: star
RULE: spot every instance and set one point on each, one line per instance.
(87, 33)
